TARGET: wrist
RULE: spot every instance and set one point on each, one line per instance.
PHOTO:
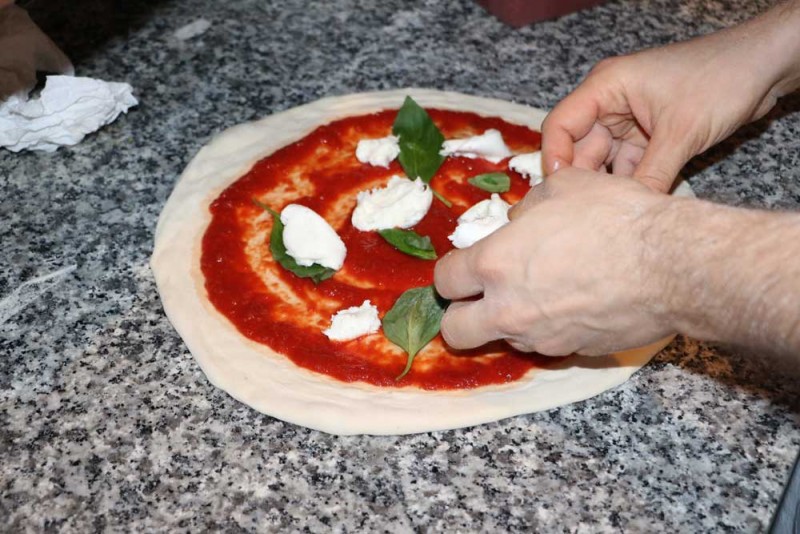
(690, 251)
(694, 239)
(663, 261)
(726, 274)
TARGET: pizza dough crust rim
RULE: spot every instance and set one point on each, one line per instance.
(270, 382)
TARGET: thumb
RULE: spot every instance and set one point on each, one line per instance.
(50, 58)
(11, 83)
(569, 122)
(662, 161)
(46, 55)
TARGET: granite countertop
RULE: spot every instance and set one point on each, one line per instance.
(107, 422)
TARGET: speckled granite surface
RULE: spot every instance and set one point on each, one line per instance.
(107, 423)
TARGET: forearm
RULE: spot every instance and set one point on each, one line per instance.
(728, 274)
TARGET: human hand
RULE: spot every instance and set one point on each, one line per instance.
(646, 114)
(24, 49)
(570, 273)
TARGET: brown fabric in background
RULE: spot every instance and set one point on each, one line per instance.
(522, 12)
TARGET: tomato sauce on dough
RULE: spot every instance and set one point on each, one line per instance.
(273, 307)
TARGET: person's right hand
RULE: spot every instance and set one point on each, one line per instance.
(578, 269)
(646, 114)
(24, 49)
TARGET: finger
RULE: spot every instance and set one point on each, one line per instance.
(569, 122)
(626, 158)
(455, 277)
(16, 81)
(41, 50)
(50, 58)
(9, 84)
(663, 159)
(592, 152)
(465, 325)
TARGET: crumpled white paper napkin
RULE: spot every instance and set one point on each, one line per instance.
(67, 109)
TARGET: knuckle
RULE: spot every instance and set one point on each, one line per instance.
(520, 345)
(554, 347)
(513, 322)
(491, 265)
(606, 64)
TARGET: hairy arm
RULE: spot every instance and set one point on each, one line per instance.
(728, 274)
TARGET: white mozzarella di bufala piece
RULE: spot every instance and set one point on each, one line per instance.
(354, 322)
(489, 145)
(480, 220)
(401, 204)
(309, 239)
(528, 165)
(378, 152)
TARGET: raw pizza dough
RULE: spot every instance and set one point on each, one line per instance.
(271, 383)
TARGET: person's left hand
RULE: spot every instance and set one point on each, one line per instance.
(24, 49)
(576, 270)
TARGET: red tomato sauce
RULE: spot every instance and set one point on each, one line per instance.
(326, 157)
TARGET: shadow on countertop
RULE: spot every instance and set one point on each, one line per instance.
(761, 375)
(785, 106)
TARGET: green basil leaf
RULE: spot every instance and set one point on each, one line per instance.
(420, 141)
(409, 242)
(414, 321)
(316, 272)
(493, 182)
